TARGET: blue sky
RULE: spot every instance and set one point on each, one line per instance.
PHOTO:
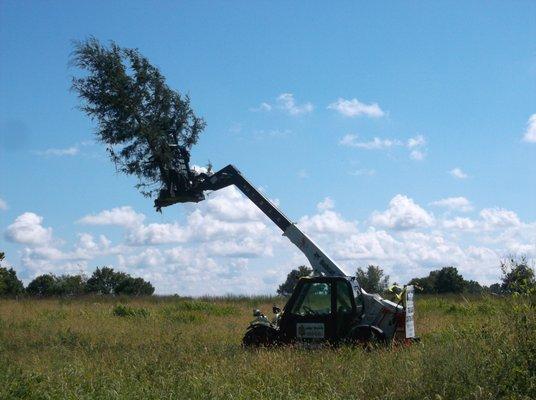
(412, 119)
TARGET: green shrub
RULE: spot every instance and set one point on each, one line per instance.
(122, 310)
(10, 285)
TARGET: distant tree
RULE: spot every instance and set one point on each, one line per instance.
(42, 285)
(107, 281)
(286, 288)
(148, 127)
(518, 276)
(445, 280)
(472, 287)
(448, 280)
(495, 288)
(373, 280)
(104, 281)
(10, 285)
(425, 285)
(134, 287)
(70, 285)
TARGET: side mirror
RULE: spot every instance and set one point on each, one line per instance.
(276, 309)
(257, 313)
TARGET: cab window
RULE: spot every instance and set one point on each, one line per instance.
(344, 298)
(313, 299)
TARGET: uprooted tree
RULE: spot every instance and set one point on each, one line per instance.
(147, 127)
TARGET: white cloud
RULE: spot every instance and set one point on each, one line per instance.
(303, 174)
(368, 247)
(47, 257)
(262, 107)
(512, 238)
(227, 238)
(154, 234)
(416, 145)
(499, 218)
(459, 223)
(376, 143)
(69, 151)
(225, 214)
(354, 108)
(27, 229)
(417, 155)
(287, 103)
(245, 247)
(417, 141)
(363, 172)
(120, 216)
(230, 205)
(326, 222)
(403, 213)
(326, 204)
(458, 173)
(3, 204)
(198, 169)
(205, 226)
(530, 133)
(454, 203)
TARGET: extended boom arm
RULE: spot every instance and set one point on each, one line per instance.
(320, 262)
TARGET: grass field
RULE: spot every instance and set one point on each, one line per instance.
(173, 348)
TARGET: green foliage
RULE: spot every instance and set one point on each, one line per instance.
(122, 310)
(197, 311)
(70, 285)
(373, 279)
(104, 281)
(426, 284)
(42, 285)
(107, 281)
(134, 287)
(287, 287)
(52, 285)
(140, 119)
(10, 285)
(474, 347)
(446, 280)
(472, 287)
(495, 288)
(518, 276)
(205, 307)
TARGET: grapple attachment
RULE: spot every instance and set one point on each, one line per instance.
(188, 196)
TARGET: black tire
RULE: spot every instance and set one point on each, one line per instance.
(366, 336)
(260, 336)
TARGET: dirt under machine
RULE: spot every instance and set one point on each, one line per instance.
(328, 306)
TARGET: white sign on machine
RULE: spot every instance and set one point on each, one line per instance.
(310, 330)
(410, 324)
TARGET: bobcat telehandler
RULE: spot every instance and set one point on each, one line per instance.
(327, 307)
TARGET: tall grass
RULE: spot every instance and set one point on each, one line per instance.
(173, 348)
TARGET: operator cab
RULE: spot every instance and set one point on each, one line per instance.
(320, 309)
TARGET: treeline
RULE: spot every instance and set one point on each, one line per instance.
(517, 277)
(103, 281)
